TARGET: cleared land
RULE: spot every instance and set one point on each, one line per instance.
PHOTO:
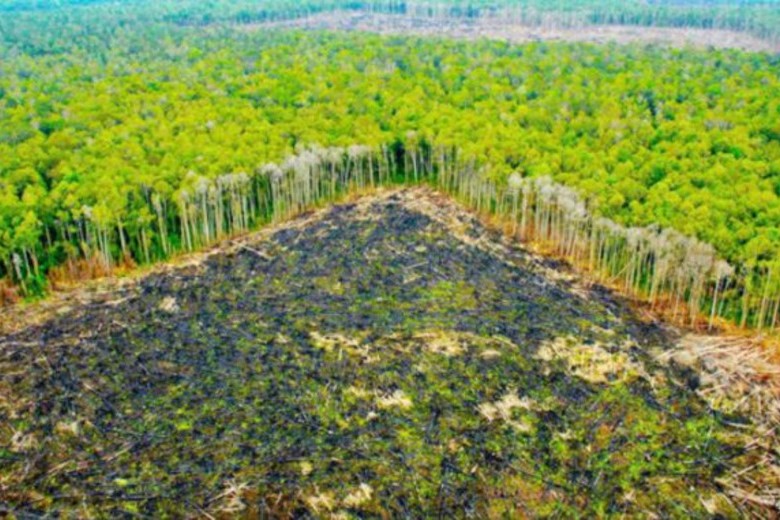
(388, 357)
(499, 29)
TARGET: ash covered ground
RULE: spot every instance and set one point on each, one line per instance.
(388, 357)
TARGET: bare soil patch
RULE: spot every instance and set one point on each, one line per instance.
(511, 31)
(387, 357)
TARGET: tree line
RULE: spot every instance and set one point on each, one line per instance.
(661, 265)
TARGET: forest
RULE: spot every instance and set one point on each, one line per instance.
(107, 139)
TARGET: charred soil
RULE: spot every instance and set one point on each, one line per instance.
(388, 357)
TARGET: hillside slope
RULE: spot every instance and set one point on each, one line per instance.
(386, 357)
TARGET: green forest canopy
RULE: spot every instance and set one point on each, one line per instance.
(101, 102)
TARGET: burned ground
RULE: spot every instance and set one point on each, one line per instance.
(385, 358)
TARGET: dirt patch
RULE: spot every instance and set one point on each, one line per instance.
(507, 30)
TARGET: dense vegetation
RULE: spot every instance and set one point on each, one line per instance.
(110, 126)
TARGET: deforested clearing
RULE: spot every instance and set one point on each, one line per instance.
(516, 31)
(387, 356)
